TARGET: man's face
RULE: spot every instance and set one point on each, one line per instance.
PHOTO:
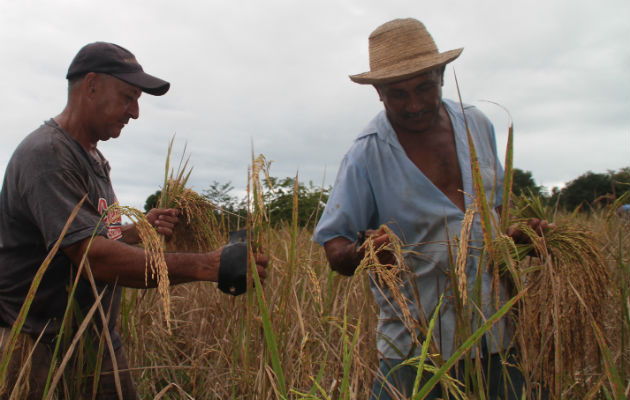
(413, 105)
(115, 102)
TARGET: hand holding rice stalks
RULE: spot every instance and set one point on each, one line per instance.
(555, 328)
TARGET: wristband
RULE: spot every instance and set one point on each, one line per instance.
(233, 265)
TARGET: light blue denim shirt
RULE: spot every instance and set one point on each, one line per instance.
(378, 184)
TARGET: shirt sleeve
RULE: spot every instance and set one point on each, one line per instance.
(350, 207)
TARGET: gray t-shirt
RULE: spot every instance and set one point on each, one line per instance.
(46, 177)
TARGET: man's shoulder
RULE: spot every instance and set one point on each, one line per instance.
(45, 148)
(41, 139)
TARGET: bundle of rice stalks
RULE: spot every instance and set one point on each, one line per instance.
(198, 229)
(390, 276)
(567, 283)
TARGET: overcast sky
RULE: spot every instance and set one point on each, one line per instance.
(274, 75)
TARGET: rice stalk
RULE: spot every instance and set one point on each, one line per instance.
(419, 361)
(555, 327)
(348, 350)
(156, 267)
(117, 211)
(198, 230)
(19, 322)
(257, 220)
(480, 193)
(84, 324)
(174, 180)
(467, 345)
(462, 256)
(611, 370)
(508, 170)
(389, 276)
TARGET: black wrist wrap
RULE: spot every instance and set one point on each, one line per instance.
(233, 269)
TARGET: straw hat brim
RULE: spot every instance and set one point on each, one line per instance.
(407, 68)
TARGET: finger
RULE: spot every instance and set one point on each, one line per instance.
(262, 271)
(380, 231)
(381, 240)
(166, 219)
(261, 260)
(165, 230)
(162, 226)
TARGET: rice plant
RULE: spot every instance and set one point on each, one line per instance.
(309, 333)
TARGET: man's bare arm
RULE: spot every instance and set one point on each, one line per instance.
(114, 261)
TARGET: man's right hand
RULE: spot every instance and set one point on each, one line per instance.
(234, 266)
(379, 239)
(345, 255)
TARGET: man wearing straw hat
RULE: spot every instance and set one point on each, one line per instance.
(408, 173)
(48, 175)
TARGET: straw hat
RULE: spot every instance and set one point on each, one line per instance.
(400, 49)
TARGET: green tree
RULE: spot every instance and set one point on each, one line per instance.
(219, 195)
(279, 200)
(523, 183)
(620, 181)
(590, 189)
(152, 201)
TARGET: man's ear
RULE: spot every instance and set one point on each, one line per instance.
(89, 83)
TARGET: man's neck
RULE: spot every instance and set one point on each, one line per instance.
(76, 127)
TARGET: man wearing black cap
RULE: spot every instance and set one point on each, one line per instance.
(49, 173)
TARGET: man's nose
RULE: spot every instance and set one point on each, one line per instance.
(415, 103)
(134, 109)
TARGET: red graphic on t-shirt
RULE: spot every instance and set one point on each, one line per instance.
(112, 220)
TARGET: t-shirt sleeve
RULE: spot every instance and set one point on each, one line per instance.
(350, 207)
(51, 197)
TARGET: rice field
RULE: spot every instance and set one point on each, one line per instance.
(323, 326)
(309, 333)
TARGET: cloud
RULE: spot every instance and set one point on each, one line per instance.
(274, 75)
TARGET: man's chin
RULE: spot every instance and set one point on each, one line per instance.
(115, 134)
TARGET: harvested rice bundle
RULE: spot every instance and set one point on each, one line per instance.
(155, 263)
(198, 229)
(567, 282)
(390, 276)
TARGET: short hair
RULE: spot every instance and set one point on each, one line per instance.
(74, 82)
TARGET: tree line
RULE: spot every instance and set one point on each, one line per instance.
(278, 196)
(589, 190)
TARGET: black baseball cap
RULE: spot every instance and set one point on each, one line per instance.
(114, 60)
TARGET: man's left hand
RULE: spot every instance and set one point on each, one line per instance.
(163, 220)
(540, 226)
